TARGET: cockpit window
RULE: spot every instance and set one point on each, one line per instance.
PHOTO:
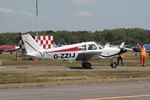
(92, 47)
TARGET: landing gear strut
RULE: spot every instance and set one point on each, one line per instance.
(86, 65)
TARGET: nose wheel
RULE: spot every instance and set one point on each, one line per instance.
(113, 65)
(86, 65)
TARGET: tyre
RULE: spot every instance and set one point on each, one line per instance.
(113, 65)
(86, 65)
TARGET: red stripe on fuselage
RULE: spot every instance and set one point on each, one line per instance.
(67, 50)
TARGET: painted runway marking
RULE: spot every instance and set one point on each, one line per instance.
(119, 97)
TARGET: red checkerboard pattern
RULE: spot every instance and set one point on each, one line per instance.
(45, 41)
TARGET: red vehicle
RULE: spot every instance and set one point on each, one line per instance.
(8, 48)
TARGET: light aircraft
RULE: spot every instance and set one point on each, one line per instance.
(84, 52)
(8, 48)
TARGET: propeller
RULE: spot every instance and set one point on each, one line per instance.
(122, 45)
(123, 49)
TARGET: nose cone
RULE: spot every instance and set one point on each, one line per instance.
(123, 50)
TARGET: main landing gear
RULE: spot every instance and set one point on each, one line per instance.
(86, 65)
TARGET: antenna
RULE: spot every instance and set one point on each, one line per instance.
(36, 20)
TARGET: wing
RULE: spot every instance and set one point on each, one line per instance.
(87, 56)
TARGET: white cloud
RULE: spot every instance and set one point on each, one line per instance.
(84, 1)
(27, 14)
(12, 11)
(84, 14)
(5, 0)
(6, 10)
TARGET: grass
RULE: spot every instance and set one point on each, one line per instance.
(45, 79)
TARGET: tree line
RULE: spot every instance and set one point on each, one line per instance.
(114, 36)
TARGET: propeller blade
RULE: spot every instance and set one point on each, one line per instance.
(122, 45)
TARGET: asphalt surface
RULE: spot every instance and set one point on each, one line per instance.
(64, 68)
(104, 91)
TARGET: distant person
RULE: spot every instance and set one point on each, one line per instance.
(120, 58)
(143, 54)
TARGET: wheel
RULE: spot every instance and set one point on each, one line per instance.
(83, 64)
(86, 65)
(113, 65)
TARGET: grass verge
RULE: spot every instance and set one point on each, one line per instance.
(46, 79)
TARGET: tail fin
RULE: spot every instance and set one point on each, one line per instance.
(30, 44)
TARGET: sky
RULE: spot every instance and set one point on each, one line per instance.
(73, 15)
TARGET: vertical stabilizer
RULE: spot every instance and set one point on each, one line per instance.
(30, 44)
